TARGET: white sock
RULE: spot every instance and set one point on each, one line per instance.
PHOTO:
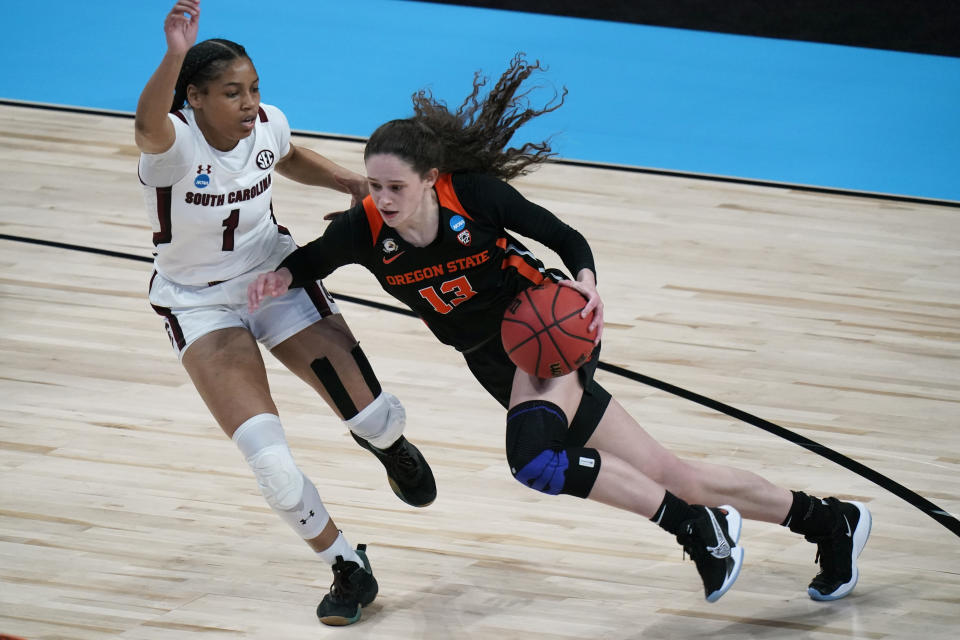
(340, 547)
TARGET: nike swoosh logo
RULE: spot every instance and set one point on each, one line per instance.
(722, 550)
(657, 521)
(849, 534)
(392, 258)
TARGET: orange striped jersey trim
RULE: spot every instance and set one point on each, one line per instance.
(373, 217)
(520, 264)
(448, 197)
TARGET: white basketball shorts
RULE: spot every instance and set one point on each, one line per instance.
(190, 312)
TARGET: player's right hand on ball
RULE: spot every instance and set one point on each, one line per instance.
(268, 285)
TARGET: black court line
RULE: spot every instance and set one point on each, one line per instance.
(872, 475)
(670, 173)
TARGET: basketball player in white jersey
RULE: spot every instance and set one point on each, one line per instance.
(206, 165)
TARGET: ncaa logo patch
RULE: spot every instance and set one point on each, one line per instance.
(457, 223)
(201, 181)
(265, 159)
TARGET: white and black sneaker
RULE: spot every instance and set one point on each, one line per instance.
(837, 553)
(711, 541)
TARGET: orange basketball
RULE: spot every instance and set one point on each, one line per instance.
(543, 333)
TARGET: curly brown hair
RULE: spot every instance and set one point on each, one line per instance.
(474, 138)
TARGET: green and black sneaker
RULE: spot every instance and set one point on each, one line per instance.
(353, 588)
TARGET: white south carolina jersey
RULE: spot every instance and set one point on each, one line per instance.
(211, 210)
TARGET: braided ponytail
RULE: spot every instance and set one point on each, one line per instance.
(204, 61)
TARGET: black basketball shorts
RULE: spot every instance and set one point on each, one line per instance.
(493, 369)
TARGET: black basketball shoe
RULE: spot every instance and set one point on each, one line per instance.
(837, 553)
(409, 474)
(711, 541)
(353, 588)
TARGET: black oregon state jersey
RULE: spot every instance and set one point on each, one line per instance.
(462, 282)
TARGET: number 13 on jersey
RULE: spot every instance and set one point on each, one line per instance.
(459, 287)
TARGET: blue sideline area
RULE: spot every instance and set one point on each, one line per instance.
(755, 108)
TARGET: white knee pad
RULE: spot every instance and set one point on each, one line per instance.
(280, 481)
(286, 489)
(381, 422)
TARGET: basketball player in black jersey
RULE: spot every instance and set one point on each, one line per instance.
(437, 233)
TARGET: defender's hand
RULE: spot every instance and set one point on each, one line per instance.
(268, 285)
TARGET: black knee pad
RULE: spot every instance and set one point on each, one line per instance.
(538, 454)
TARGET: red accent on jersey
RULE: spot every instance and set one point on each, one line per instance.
(282, 229)
(163, 216)
(181, 116)
(448, 197)
(263, 115)
(445, 194)
(373, 217)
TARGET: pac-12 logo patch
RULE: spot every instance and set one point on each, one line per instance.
(457, 223)
(265, 159)
(464, 237)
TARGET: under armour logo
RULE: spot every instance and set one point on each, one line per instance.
(200, 169)
(304, 520)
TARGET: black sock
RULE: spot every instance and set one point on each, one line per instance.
(808, 516)
(672, 513)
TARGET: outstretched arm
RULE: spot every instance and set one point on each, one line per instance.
(342, 243)
(153, 131)
(309, 167)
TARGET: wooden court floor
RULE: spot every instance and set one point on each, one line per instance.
(125, 513)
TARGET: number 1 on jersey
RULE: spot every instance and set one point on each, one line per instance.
(460, 287)
(230, 224)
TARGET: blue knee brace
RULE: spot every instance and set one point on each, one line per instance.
(538, 454)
